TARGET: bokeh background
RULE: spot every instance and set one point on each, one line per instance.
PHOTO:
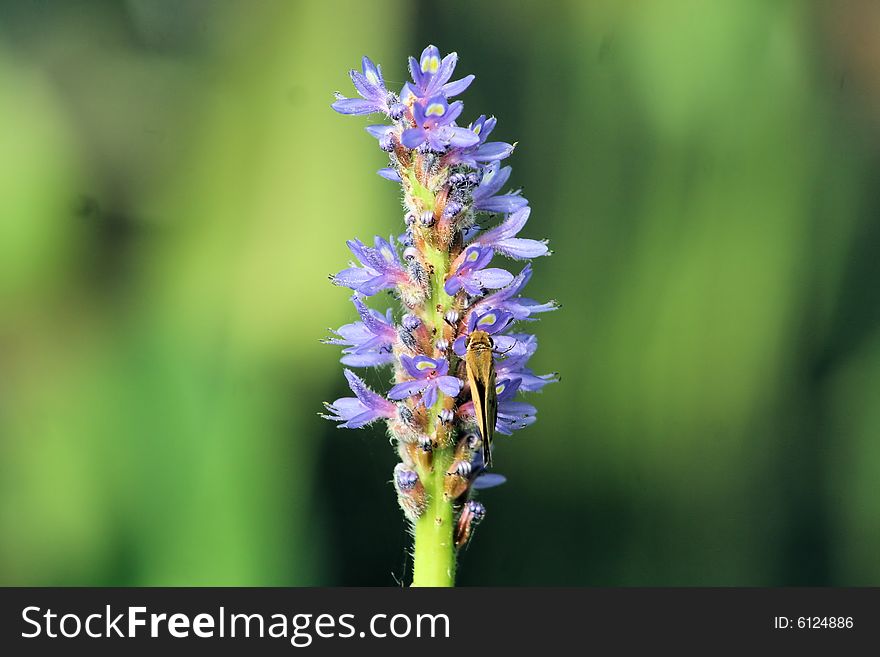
(174, 190)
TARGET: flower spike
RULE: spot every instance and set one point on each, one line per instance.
(456, 350)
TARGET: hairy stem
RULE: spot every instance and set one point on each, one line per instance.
(434, 544)
(434, 551)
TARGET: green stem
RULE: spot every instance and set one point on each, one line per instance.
(434, 552)
(434, 547)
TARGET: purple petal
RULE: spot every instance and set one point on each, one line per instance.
(515, 409)
(452, 285)
(492, 278)
(430, 52)
(488, 480)
(416, 73)
(506, 389)
(523, 349)
(413, 137)
(458, 87)
(361, 420)
(408, 92)
(462, 137)
(504, 343)
(492, 181)
(372, 70)
(379, 131)
(488, 127)
(508, 228)
(354, 106)
(429, 396)
(385, 249)
(389, 173)
(348, 406)
(474, 258)
(453, 113)
(493, 321)
(374, 321)
(365, 89)
(506, 293)
(426, 366)
(444, 71)
(520, 248)
(369, 359)
(533, 306)
(450, 385)
(407, 389)
(359, 249)
(354, 333)
(504, 204)
(493, 151)
(419, 367)
(471, 286)
(369, 398)
(534, 382)
(353, 278)
(377, 284)
(507, 426)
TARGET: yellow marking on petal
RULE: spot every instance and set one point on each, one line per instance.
(372, 78)
(435, 109)
(478, 128)
(487, 319)
(500, 388)
(473, 255)
(430, 64)
(425, 365)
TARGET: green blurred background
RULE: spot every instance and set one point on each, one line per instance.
(174, 190)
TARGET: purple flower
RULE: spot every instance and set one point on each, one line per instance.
(380, 268)
(435, 126)
(486, 196)
(503, 238)
(513, 365)
(492, 322)
(371, 87)
(473, 276)
(506, 299)
(431, 75)
(358, 411)
(482, 151)
(512, 415)
(429, 375)
(367, 342)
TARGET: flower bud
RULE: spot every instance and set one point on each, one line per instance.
(405, 480)
(410, 322)
(452, 208)
(396, 111)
